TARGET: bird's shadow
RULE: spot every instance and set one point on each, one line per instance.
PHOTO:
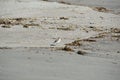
(52, 44)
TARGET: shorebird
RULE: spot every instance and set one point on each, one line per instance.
(58, 40)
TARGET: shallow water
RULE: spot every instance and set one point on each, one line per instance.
(113, 5)
(110, 4)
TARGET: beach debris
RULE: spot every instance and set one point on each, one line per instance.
(67, 28)
(5, 48)
(11, 21)
(66, 48)
(117, 36)
(80, 42)
(4, 21)
(27, 25)
(101, 9)
(81, 52)
(63, 2)
(115, 30)
(101, 35)
(89, 40)
(51, 27)
(95, 28)
(91, 27)
(18, 19)
(74, 43)
(6, 26)
(63, 18)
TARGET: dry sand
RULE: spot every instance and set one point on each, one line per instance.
(27, 29)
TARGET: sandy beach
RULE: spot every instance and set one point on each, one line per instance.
(89, 47)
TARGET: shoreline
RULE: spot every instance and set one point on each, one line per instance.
(115, 8)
